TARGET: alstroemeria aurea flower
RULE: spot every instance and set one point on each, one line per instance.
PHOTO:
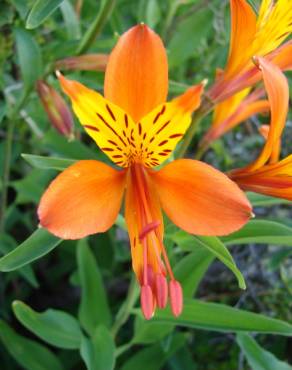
(138, 130)
(233, 111)
(266, 174)
(254, 36)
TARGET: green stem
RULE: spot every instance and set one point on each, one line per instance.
(125, 310)
(189, 135)
(96, 27)
(7, 156)
(206, 106)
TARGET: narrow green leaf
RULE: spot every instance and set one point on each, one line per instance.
(48, 163)
(58, 144)
(94, 309)
(261, 231)
(188, 35)
(40, 11)
(87, 353)
(71, 20)
(98, 353)
(103, 349)
(154, 357)
(7, 244)
(29, 354)
(55, 327)
(260, 200)
(219, 317)
(29, 57)
(257, 357)
(215, 246)
(37, 245)
(190, 270)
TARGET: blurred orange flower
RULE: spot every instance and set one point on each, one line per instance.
(266, 174)
(138, 130)
(254, 36)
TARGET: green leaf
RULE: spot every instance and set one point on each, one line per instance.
(29, 354)
(40, 11)
(98, 353)
(219, 317)
(55, 327)
(58, 144)
(104, 349)
(71, 20)
(37, 245)
(188, 35)
(215, 246)
(260, 200)
(191, 269)
(29, 57)
(261, 231)
(257, 357)
(147, 331)
(154, 357)
(7, 243)
(48, 163)
(153, 13)
(94, 309)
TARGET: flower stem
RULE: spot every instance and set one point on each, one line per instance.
(96, 27)
(206, 106)
(125, 310)
(7, 155)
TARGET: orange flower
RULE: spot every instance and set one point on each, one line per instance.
(138, 131)
(232, 112)
(266, 174)
(252, 36)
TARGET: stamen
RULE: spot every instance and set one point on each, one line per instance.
(165, 257)
(148, 228)
(147, 302)
(176, 297)
(161, 290)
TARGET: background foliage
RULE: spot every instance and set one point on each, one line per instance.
(75, 308)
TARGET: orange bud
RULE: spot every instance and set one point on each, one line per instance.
(56, 108)
(88, 62)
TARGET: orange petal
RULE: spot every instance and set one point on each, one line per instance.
(243, 28)
(226, 118)
(136, 77)
(272, 179)
(200, 199)
(278, 95)
(83, 200)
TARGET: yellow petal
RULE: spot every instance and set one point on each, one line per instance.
(108, 125)
(159, 132)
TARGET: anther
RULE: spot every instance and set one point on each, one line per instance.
(147, 302)
(176, 297)
(161, 290)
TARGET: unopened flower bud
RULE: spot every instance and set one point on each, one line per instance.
(56, 108)
(88, 62)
